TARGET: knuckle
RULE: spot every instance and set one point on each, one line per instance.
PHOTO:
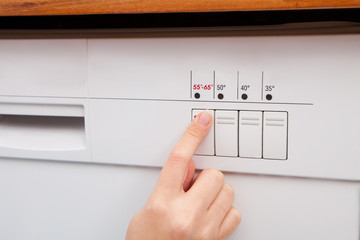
(194, 133)
(237, 216)
(217, 175)
(201, 236)
(181, 228)
(229, 190)
(179, 224)
(155, 208)
(205, 234)
(181, 231)
(178, 158)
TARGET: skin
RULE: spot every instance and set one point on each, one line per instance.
(182, 208)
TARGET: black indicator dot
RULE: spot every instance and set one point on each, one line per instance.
(197, 95)
(268, 97)
(220, 96)
(244, 96)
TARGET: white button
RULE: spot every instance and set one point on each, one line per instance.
(202, 85)
(250, 134)
(226, 125)
(275, 135)
(207, 145)
(225, 85)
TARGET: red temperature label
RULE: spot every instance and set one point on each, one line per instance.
(202, 86)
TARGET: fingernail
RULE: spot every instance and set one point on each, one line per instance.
(204, 118)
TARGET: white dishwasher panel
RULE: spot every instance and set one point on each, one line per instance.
(43, 67)
(113, 104)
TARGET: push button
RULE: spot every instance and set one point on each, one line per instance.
(275, 135)
(207, 145)
(250, 134)
(226, 125)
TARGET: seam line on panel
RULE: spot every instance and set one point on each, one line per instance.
(214, 120)
(187, 100)
(214, 85)
(191, 93)
(262, 85)
(287, 136)
(88, 110)
(87, 70)
(160, 100)
(237, 86)
(359, 213)
(262, 135)
(238, 134)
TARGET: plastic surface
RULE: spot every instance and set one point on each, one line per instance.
(93, 201)
(44, 128)
(43, 67)
(250, 134)
(202, 84)
(297, 74)
(275, 135)
(134, 97)
(42, 133)
(226, 133)
(226, 85)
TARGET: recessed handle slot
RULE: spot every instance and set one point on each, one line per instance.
(42, 127)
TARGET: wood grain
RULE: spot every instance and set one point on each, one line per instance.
(79, 7)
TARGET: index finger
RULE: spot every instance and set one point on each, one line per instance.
(174, 171)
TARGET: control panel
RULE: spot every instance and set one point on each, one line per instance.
(246, 134)
(282, 104)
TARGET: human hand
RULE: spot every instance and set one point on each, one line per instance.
(179, 208)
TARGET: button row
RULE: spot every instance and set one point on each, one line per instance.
(246, 134)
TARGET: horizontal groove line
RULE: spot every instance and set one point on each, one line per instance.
(255, 124)
(250, 119)
(226, 118)
(274, 119)
(154, 99)
(230, 123)
(253, 121)
(274, 124)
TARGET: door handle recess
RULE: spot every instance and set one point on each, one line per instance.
(42, 127)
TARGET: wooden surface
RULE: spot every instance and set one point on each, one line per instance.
(75, 7)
